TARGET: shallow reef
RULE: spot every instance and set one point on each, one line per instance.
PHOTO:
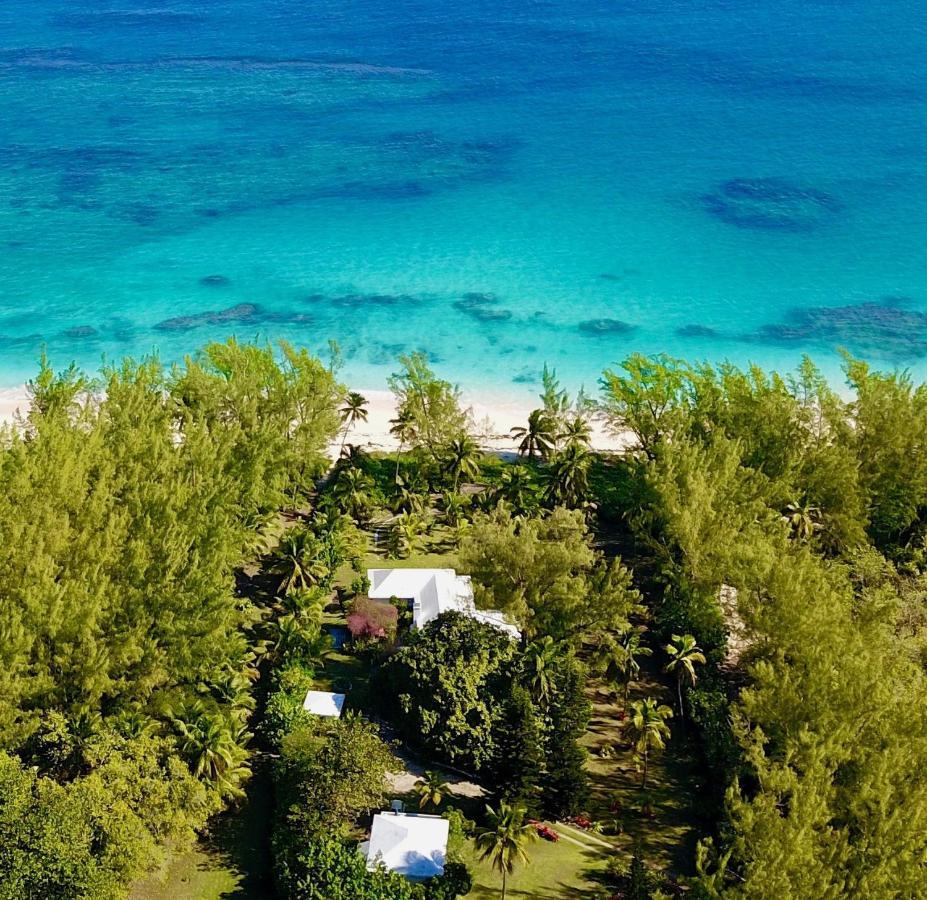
(482, 307)
(215, 281)
(884, 328)
(695, 331)
(605, 326)
(770, 204)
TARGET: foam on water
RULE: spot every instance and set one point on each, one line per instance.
(499, 183)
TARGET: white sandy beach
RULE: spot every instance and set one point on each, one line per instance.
(495, 417)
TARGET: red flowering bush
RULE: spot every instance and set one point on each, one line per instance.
(372, 621)
(546, 832)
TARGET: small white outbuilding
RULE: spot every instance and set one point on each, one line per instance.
(432, 592)
(410, 844)
(323, 703)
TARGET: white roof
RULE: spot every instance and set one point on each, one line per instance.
(323, 703)
(433, 592)
(409, 844)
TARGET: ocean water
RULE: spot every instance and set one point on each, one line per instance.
(501, 184)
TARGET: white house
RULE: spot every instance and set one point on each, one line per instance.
(411, 844)
(432, 592)
(323, 703)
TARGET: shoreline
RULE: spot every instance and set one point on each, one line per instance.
(494, 418)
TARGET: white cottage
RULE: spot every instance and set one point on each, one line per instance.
(432, 592)
(410, 844)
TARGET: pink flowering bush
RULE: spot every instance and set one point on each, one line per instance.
(371, 621)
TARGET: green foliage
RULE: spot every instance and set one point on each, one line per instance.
(329, 772)
(545, 573)
(327, 868)
(504, 839)
(428, 409)
(519, 757)
(446, 684)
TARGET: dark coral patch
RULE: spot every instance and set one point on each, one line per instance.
(215, 281)
(242, 312)
(482, 307)
(81, 331)
(605, 326)
(770, 204)
(884, 329)
(692, 331)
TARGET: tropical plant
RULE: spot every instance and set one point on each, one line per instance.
(518, 487)
(504, 840)
(649, 730)
(461, 458)
(568, 477)
(352, 491)
(405, 533)
(802, 520)
(575, 430)
(684, 655)
(538, 437)
(540, 659)
(617, 658)
(353, 411)
(432, 790)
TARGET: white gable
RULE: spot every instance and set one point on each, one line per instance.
(323, 703)
(432, 592)
(411, 845)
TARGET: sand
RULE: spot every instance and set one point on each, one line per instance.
(494, 416)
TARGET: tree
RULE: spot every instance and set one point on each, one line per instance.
(684, 654)
(504, 839)
(617, 658)
(331, 771)
(540, 659)
(402, 427)
(518, 488)
(446, 685)
(545, 573)
(568, 476)
(429, 405)
(431, 790)
(576, 431)
(538, 437)
(461, 457)
(519, 762)
(353, 411)
(370, 620)
(649, 730)
(352, 489)
(802, 520)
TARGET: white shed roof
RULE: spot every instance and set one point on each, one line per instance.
(409, 844)
(323, 703)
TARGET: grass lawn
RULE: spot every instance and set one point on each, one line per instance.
(572, 867)
(667, 835)
(233, 861)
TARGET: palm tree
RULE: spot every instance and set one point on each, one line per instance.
(631, 649)
(576, 431)
(802, 520)
(518, 488)
(404, 534)
(684, 653)
(403, 429)
(504, 840)
(568, 477)
(351, 490)
(539, 437)
(431, 790)
(353, 411)
(648, 725)
(455, 507)
(540, 660)
(461, 457)
(212, 746)
(296, 562)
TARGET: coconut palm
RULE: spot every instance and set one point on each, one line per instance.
(431, 790)
(649, 730)
(802, 520)
(684, 655)
(297, 563)
(212, 746)
(540, 660)
(539, 437)
(353, 411)
(504, 839)
(403, 429)
(518, 488)
(576, 431)
(352, 491)
(461, 458)
(568, 477)
(631, 649)
(405, 533)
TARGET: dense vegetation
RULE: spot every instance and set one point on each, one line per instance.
(772, 577)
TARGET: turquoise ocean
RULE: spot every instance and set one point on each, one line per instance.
(501, 184)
